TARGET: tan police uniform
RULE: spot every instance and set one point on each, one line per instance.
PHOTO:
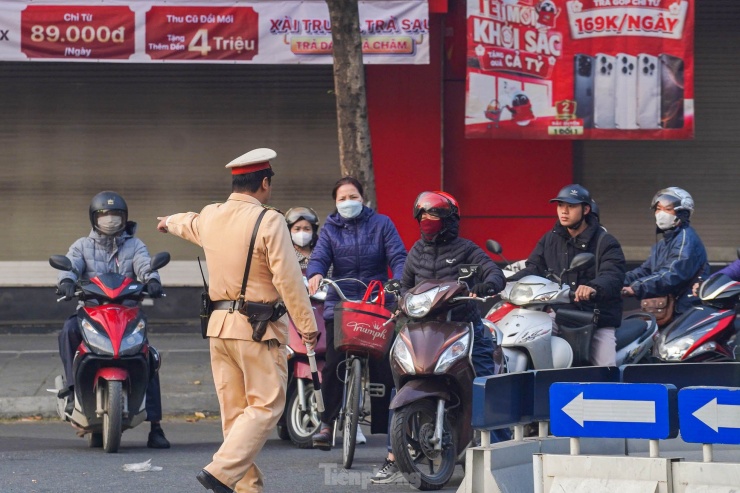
(250, 377)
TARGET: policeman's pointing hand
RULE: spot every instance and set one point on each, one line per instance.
(162, 226)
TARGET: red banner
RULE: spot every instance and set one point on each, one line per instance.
(223, 33)
(93, 32)
(580, 69)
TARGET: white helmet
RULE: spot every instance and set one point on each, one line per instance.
(679, 198)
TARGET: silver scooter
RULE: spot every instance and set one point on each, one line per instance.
(523, 324)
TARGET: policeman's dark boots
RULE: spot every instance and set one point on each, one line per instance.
(157, 438)
(210, 483)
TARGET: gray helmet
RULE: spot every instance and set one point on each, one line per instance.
(573, 194)
(679, 198)
(106, 202)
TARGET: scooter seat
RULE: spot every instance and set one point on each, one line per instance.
(630, 331)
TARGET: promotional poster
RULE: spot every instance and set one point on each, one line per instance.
(580, 69)
(258, 31)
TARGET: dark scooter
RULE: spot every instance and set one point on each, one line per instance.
(114, 362)
(433, 372)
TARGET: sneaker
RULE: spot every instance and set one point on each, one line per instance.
(387, 474)
(322, 439)
(360, 437)
(157, 439)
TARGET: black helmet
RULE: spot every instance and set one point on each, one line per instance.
(106, 202)
(595, 209)
(573, 194)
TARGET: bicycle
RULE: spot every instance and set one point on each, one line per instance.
(356, 386)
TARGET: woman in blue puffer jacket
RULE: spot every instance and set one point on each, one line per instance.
(360, 244)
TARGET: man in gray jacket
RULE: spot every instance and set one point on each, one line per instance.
(110, 247)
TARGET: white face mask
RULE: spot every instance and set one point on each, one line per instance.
(301, 238)
(665, 221)
(109, 225)
(349, 209)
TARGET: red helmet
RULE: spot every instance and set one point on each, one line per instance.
(437, 203)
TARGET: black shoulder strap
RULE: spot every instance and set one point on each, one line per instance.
(598, 249)
(249, 254)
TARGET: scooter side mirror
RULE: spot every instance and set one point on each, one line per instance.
(494, 246)
(582, 261)
(61, 262)
(159, 260)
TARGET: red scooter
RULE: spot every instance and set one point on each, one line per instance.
(114, 362)
(301, 417)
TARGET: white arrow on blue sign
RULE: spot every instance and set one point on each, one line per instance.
(709, 414)
(613, 410)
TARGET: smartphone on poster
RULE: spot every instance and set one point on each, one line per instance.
(625, 92)
(583, 88)
(605, 72)
(648, 91)
(671, 91)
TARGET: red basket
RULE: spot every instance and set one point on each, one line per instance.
(358, 325)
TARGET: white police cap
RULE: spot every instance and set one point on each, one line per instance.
(255, 160)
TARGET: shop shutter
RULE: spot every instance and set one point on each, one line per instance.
(623, 176)
(158, 134)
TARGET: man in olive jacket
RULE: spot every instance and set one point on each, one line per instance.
(598, 287)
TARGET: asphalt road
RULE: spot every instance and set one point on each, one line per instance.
(46, 456)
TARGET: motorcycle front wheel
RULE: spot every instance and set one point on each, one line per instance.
(302, 424)
(113, 417)
(412, 431)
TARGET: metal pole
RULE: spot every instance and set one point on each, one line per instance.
(518, 433)
(575, 446)
(543, 430)
(485, 438)
(654, 450)
(538, 473)
(708, 452)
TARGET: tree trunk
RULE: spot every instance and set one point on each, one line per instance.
(355, 154)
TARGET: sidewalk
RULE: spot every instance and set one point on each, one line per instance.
(30, 362)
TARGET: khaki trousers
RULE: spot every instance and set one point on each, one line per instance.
(250, 379)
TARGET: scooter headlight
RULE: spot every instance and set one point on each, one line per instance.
(521, 294)
(459, 349)
(418, 305)
(401, 355)
(676, 350)
(96, 339)
(131, 343)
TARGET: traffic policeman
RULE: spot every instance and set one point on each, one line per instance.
(250, 376)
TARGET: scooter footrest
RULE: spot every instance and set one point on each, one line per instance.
(376, 389)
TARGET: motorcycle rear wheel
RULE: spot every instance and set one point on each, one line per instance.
(113, 417)
(411, 431)
(302, 425)
(352, 413)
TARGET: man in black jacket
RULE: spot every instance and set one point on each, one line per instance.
(597, 288)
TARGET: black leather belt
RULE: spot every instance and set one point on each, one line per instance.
(231, 305)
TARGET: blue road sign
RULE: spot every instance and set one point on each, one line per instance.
(709, 414)
(613, 410)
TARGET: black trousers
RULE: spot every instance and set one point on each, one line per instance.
(332, 386)
(70, 338)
